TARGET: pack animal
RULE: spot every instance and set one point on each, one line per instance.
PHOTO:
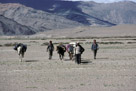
(61, 50)
(70, 50)
(21, 49)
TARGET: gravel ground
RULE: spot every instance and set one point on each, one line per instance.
(113, 70)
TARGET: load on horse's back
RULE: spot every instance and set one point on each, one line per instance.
(70, 50)
(21, 49)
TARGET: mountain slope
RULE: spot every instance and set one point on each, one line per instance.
(39, 20)
(10, 27)
(117, 13)
(52, 14)
(67, 9)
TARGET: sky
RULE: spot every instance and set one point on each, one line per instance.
(102, 1)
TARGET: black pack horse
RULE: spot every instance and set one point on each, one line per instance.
(61, 50)
(21, 49)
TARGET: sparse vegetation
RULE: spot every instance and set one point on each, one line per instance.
(131, 42)
(82, 84)
(45, 44)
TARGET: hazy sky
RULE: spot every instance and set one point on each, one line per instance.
(102, 1)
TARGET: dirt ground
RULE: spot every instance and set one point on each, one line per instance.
(113, 70)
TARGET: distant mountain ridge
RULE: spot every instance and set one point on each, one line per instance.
(67, 9)
(123, 12)
(44, 21)
(38, 20)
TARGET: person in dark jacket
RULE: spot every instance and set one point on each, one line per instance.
(94, 48)
(50, 49)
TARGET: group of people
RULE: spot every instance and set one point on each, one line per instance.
(74, 50)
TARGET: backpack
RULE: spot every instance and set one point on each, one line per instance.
(51, 47)
(70, 48)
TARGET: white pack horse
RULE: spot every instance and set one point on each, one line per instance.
(21, 49)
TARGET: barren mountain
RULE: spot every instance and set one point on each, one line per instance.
(43, 15)
(10, 27)
(88, 13)
(117, 13)
(66, 9)
(39, 20)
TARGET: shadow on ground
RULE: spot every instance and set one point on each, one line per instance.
(31, 61)
(103, 58)
(86, 61)
(68, 60)
(83, 61)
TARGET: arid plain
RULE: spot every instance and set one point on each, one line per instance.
(113, 70)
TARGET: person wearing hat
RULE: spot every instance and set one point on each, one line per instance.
(78, 51)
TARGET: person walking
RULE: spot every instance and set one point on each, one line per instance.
(78, 51)
(94, 48)
(50, 49)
